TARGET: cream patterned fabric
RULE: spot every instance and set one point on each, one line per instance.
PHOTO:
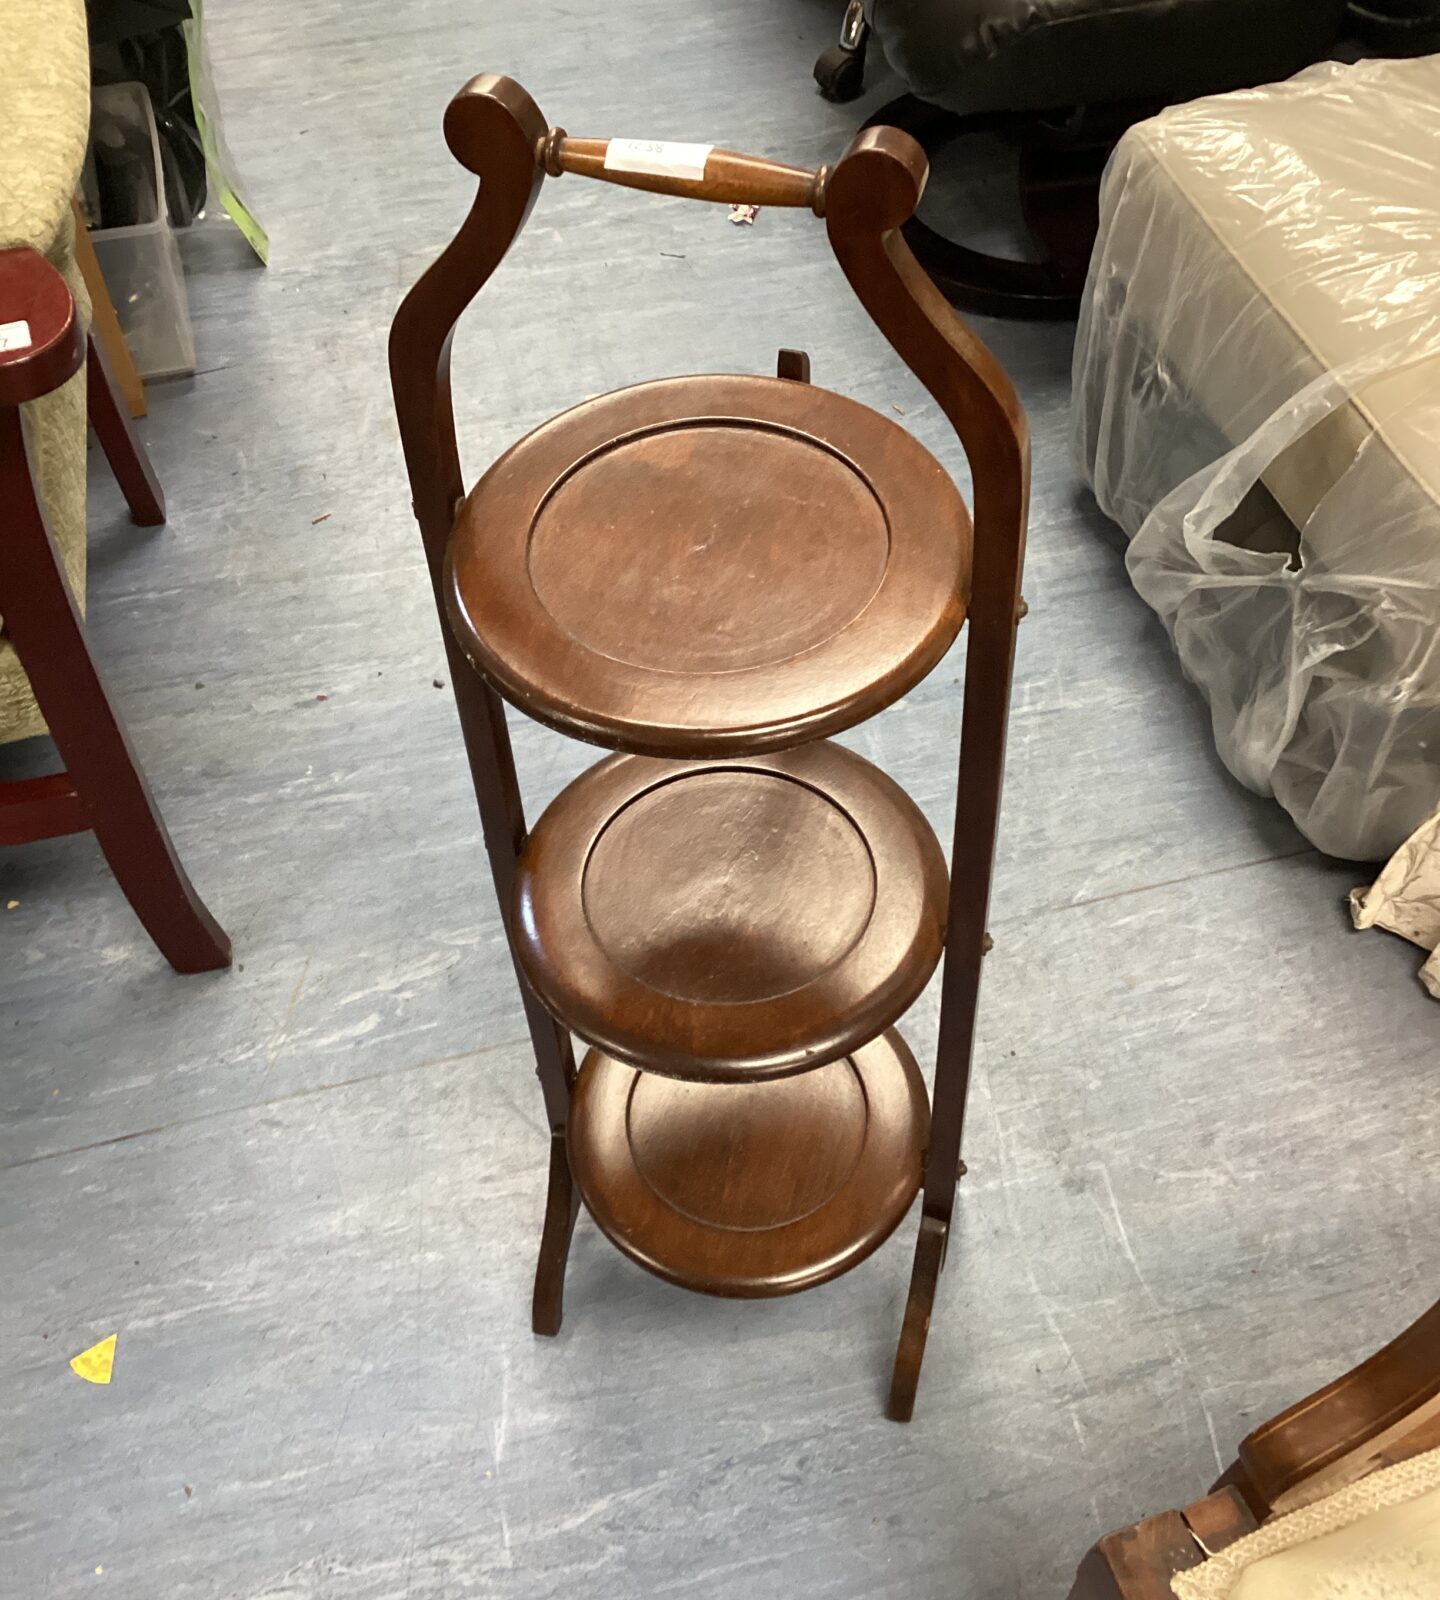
(43, 133)
(1377, 1539)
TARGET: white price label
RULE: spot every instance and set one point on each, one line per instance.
(662, 158)
(15, 336)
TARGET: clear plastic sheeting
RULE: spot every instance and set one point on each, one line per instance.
(1257, 404)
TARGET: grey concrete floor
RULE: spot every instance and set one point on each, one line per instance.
(306, 1194)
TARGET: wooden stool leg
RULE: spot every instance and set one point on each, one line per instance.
(126, 455)
(49, 637)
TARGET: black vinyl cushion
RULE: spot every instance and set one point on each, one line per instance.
(1036, 55)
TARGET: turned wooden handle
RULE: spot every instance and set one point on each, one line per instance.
(724, 175)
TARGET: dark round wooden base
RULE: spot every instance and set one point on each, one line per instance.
(751, 1190)
(1398, 27)
(731, 919)
(1059, 193)
(710, 563)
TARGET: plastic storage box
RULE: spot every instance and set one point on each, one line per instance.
(141, 261)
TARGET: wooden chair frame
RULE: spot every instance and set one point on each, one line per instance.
(497, 132)
(1385, 1410)
(102, 788)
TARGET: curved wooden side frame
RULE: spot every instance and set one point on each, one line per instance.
(495, 129)
(1384, 1411)
(870, 195)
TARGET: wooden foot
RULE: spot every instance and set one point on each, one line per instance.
(126, 455)
(562, 1205)
(141, 855)
(929, 1258)
(45, 627)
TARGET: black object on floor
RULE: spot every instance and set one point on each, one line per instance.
(1065, 78)
(840, 71)
(1398, 27)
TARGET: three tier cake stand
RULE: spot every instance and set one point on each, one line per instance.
(710, 576)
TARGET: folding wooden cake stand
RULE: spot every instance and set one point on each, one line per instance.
(711, 575)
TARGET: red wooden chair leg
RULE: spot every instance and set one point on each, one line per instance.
(126, 455)
(49, 637)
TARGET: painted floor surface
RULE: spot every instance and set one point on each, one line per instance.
(306, 1194)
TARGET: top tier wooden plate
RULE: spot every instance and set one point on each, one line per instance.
(710, 564)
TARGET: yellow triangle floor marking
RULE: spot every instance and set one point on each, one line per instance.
(97, 1363)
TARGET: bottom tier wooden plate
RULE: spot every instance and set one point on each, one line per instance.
(752, 1189)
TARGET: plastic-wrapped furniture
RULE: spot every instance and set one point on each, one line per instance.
(1338, 1496)
(1257, 404)
(710, 575)
(1064, 78)
(48, 677)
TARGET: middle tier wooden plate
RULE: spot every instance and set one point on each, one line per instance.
(710, 564)
(731, 919)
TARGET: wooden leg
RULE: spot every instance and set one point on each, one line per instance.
(105, 323)
(49, 637)
(562, 1206)
(126, 455)
(1138, 1563)
(502, 819)
(988, 666)
(924, 1279)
